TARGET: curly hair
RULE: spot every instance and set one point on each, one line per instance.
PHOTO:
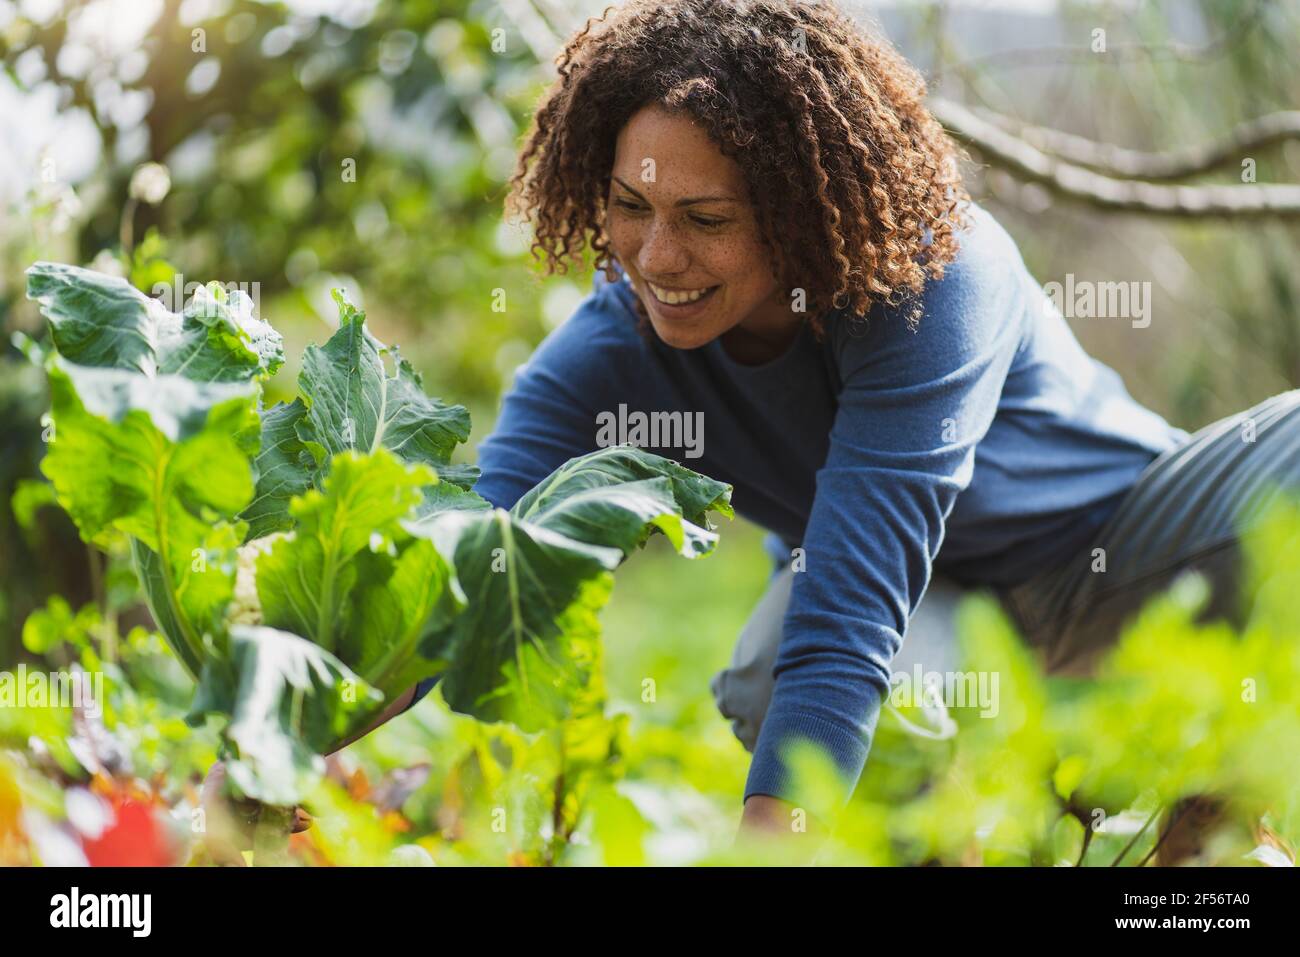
(847, 170)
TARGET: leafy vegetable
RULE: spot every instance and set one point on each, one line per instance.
(536, 575)
(310, 562)
(155, 419)
(287, 700)
(103, 322)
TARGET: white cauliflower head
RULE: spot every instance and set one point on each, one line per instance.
(246, 607)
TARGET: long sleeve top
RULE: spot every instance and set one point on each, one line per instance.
(984, 442)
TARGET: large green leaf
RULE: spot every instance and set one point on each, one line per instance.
(400, 599)
(217, 337)
(522, 649)
(348, 402)
(177, 407)
(102, 321)
(96, 320)
(446, 497)
(170, 488)
(288, 701)
(525, 648)
(284, 469)
(619, 496)
(308, 581)
(353, 404)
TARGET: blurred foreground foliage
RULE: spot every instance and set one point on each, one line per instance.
(1061, 772)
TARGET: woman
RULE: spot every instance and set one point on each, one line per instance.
(792, 260)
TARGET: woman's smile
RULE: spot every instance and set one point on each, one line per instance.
(679, 305)
(676, 297)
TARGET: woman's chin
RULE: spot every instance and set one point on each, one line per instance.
(682, 335)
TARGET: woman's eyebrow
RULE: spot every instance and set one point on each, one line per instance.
(681, 202)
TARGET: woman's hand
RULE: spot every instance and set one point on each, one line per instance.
(765, 814)
(229, 824)
(767, 817)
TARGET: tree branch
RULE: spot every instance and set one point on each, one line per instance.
(1072, 181)
(1250, 136)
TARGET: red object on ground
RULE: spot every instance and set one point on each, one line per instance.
(135, 838)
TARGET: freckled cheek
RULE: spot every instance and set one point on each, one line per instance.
(621, 241)
(734, 262)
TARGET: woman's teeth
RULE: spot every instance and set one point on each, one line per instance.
(675, 297)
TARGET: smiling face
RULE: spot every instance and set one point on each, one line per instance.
(681, 225)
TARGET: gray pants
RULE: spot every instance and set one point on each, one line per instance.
(1190, 510)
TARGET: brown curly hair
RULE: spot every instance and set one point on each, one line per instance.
(847, 169)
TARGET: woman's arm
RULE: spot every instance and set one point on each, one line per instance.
(913, 407)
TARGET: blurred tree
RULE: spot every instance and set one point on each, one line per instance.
(365, 147)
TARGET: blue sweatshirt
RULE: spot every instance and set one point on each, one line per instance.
(985, 443)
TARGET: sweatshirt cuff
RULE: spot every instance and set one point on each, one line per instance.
(422, 688)
(846, 745)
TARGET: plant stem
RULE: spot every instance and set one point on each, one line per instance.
(1087, 840)
(188, 635)
(1169, 830)
(107, 622)
(1136, 837)
(557, 808)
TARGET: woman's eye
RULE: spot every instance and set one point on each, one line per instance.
(633, 207)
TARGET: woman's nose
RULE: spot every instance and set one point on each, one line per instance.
(662, 252)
